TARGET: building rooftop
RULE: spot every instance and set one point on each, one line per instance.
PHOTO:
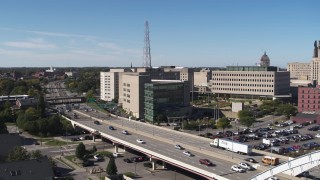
(307, 115)
(251, 68)
(8, 142)
(35, 169)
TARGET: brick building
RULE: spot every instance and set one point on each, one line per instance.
(309, 99)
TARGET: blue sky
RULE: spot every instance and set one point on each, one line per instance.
(190, 33)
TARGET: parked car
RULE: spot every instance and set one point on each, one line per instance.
(205, 162)
(125, 132)
(147, 164)
(98, 157)
(317, 136)
(111, 128)
(97, 122)
(127, 160)
(273, 178)
(237, 168)
(116, 154)
(140, 141)
(87, 163)
(177, 146)
(187, 153)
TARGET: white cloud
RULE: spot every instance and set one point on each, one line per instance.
(63, 34)
(119, 50)
(32, 44)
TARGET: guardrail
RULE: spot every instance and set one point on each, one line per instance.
(294, 165)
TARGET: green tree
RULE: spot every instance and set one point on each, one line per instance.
(223, 123)
(18, 154)
(80, 151)
(36, 154)
(244, 113)
(41, 106)
(3, 128)
(286, 109)
(161, 118)
(111, 167)
(247, 121)
(94, 149)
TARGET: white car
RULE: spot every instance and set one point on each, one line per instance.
(98, 157)
(245, 166)
(237, 168)
(187, 153)
(140, 141)
(177, 146)
(317, 136)
(81, 138)
(273, 178)
(125, 132)
(115, 154)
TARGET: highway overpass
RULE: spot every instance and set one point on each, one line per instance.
(160, 145)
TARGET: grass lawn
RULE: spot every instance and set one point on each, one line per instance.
(70, 158)
(53, 142)
(104, 153)
(10, 123)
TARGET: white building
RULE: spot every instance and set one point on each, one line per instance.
(109, 84)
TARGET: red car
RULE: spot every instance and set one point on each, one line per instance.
(205, 162)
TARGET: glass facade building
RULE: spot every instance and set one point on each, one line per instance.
(165, 97)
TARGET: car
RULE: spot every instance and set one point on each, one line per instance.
(111, 128)
(273, 178)
(98, 157)
(177, 146)
(147, 164)
(187, 153)
(87, 163)
(317, 136)
(127, 160)
(251, 160)
(237, 168)
(140, 141)
(245, 166)
(96, 122)
(116, 155)
(125, 132)
(205, 162)
(82, 138)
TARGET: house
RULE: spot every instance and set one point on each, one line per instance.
(26, 103)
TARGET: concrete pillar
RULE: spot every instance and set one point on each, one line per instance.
(153, 162)
(124, 149)
(116, 148)
(94, 138)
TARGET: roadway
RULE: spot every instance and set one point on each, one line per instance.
(162, 141)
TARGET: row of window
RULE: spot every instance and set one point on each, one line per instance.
(126, 95)
(126, 90)
(126, 84)
(126, 100)
(243, 75)
(243, 90)
(247, 80)
(309, 96)
(248, 85)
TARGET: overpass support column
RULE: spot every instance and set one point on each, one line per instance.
(94, 138)
(164, 165)
(153, 162)
(116, 148)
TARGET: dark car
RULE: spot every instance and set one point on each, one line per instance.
(88, 137)
(205, 162)
(127, 160)
(97, 122)
(111, 128)
(251, 160)
(147, 164)
(87, 163)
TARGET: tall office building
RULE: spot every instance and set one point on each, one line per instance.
(251, 82)
(167, 97)
(299, 71)
(109, 84)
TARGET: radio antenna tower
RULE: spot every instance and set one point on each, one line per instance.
(146, 48)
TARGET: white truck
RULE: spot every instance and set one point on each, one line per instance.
(231, 146)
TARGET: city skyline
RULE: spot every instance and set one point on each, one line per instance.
(193, 34)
